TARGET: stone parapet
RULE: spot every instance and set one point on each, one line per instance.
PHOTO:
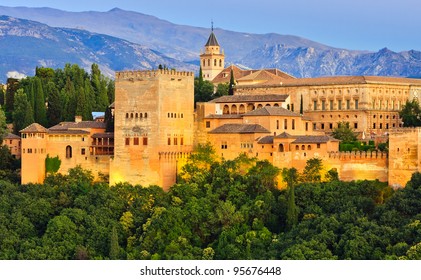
(132, 75)
(358, 155)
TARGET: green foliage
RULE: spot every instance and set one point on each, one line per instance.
(61, 94)
(221, 90)
(225, 210)
(2, 124)
(203, 91)
(344, 132)
(312, 170)
(231, 85)
(52, 165)
(22, 114)
(411, 113)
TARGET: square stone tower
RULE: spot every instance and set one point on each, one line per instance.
(153, 123)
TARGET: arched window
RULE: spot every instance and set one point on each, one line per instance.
(281, 148)
(68, 152)
(303, 147)
(220, 63)
(309, 147)
(226, 109)
(242, 109)
(250, 107)
(137, 115)
(233, 109)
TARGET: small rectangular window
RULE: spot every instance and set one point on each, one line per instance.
(127, 141)
(169, 141)
(207, 124)
(145, 141)
(136, 141)
(83, 151)
(181, 141)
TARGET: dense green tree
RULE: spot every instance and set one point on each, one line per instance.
(54, 108)
(312, 171)
(231, 85)
(40, 111)
(3, 125)
(11, 88)
(22, 113)
(2, 95)
(222, 89)
(344, 132)
(411, 113)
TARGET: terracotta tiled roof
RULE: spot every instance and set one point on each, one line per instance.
(103, 135)
(251, 98)
(342, 80)
(11, 136)
(68, 132)
(225, 75)
(212, 40)
(239, 128)
(272, 111)
(35, 127)
(265, 140)
(83, 124)
(224, 116)
(285, 135)
(313, 139)
(273, 74)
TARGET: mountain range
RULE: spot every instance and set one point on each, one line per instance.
(119, 40)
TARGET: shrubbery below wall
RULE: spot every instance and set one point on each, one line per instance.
(218, 210)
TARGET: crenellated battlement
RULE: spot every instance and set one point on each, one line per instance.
(405, 130)
(174, 155)
(358, 155)
(141, 74)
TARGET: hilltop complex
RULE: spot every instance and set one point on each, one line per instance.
(272, 116)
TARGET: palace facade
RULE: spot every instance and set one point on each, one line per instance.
(272, 115)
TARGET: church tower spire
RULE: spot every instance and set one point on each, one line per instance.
(212, 60)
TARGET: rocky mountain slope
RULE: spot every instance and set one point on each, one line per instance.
(156, 40)
(26, 44)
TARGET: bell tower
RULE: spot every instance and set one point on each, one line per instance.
(212, 59)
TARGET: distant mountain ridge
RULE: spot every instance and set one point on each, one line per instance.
(297, 56)
(25, 44)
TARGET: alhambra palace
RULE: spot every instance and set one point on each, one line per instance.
(157, 125)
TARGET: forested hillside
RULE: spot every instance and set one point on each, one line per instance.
(56, 95)
(218, 210)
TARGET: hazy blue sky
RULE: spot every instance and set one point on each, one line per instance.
(351, 24)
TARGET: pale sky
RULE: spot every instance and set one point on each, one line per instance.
(351, 24)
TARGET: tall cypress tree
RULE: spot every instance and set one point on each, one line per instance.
(232, 83)
(54, 110)
(22, 113)
(40, 111)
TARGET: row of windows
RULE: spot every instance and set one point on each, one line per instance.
(33, 135)
(33, 151)
(175, 115)
(386, 105)
(380, 125)
(136, 141)
(331, 105)
(246, 145)
(285, 126)
(215, 62)
(136, 115)
(241, 109)
(174, 141)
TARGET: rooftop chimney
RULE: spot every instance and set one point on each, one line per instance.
(78, 119)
